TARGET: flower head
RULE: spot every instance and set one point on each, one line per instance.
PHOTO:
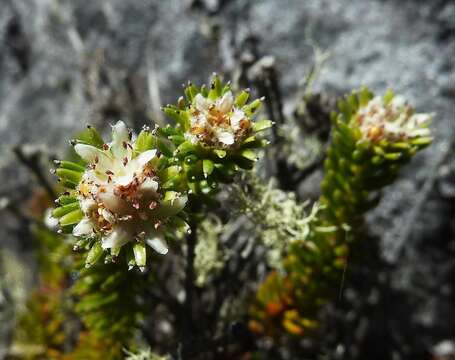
(118, 198)
(218, 122)
(392, 119)
(215, 135)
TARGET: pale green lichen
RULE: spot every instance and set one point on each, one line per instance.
(145, 354)
(280, 219)
(209, 255)
(302, 149)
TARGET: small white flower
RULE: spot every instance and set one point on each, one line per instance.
(119, 195)
(393, 121)
(217, 122)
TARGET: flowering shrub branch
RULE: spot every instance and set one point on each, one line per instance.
(372, 138)
(149, 215)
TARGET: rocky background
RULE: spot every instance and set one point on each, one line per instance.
(66, 63)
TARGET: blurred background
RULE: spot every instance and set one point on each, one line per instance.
(67, 63)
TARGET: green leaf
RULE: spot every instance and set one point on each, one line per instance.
(130, 260)
(176, 139)
(65, 209)
(364, 97)
(144, 142)
(388, 97)
(192, 91)
(69, 184)
(207, 167)
(94, 254)
(71, 175)
(170, 172)
(176, 114)
(172, 204)
(140, 254)
(220, 153)
(180, 226)
(262, 125)
(423, 141)
(66, 199)
(164, 147)
(244, 163)
(249, 154)
(72, 217)
(251, 108)
(393, 156)
(70, 166)
(242, 98)
(215, 87)
(226, 88)
(185, 148)
(91, 137)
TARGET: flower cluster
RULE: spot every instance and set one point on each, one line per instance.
(218, 123)
(215, 135)
(392, 119)
(128, 193)
(117, 197)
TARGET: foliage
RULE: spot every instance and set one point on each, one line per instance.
(168, 186)
(372, 138)
(109, 305)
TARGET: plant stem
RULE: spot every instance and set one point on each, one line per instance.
(188, 328)
(32, 163)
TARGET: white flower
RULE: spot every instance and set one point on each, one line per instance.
(119, 195)
(393, 121)
(217, 122)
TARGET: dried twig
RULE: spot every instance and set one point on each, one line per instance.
(31, 161)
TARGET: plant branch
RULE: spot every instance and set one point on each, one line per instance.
(31, 161)
(187, 331)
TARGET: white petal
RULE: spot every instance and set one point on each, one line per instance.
(87, 205)
(236, 117)
(143, 158)
(108, 216)
(399, 101)
(120, 136)
(170, 207)
(92, 154)
(201, 103)
(226, 137)
(49, 220)
(420, 132)
(226, 102)
(124, 180)
(149, 185)
(191, 138)
(113, 203)
(117, 238)
(421, 119)
(158, 244)
(120, 132)
(84, 228)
